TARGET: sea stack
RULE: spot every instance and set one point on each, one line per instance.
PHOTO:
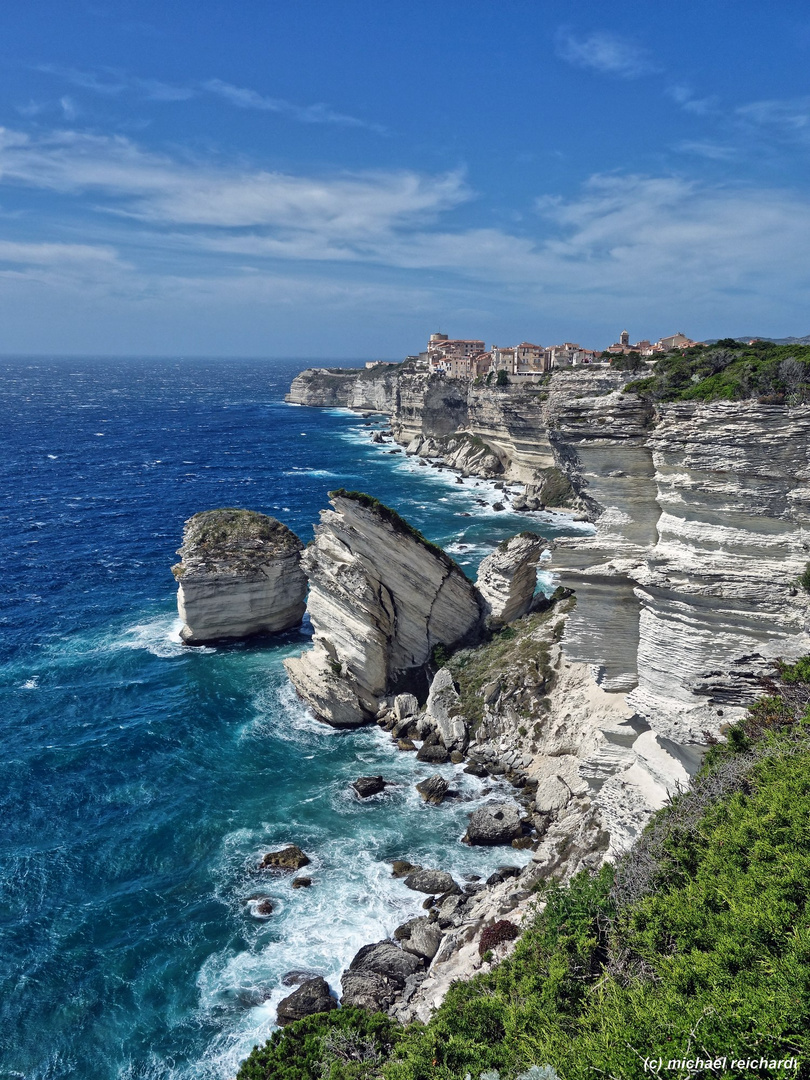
(240, 574)
(381, 599)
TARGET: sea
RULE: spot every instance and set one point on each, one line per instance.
(141, 780)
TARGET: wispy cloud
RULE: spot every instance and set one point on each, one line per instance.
(245, 98)
(787, 119)
(683, 96)
(156, 188)
(111, 82)
(606, 53)
(44, 254)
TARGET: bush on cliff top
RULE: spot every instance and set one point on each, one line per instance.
(233, 534)
(697, 946)
(731, 371)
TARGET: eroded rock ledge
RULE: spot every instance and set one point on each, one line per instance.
(239, 575)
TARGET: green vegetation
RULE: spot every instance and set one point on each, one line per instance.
(501, 379)
(347, 1044)
(399, 524)
(803, 580)
(239, 536)
(556, 488)
(731, 371)
(516, 661)
(696, 946)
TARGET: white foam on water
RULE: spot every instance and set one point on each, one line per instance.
(160, 637)
(280, 714)
(31, 684)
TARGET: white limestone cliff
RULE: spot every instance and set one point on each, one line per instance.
(381, 598)
(507, 578)
(239, 575)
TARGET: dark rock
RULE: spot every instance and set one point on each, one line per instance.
(472, 888)
(301, 882)
(433, 755)
(405, 744)
(433, 789)
(494, 823)
(456, 757)
(509, 871)
(289, 858)
(367, 990)
(311, 997)
(495, 879)
(428, 902)
(431, 881)
(450, 910)
(498, 506)
(401, 868)
(368, 785)
(522, 843)
(475, 768)
(296, 977)
(496, 770)
(421, 936)
(262, 907)
(384, 958)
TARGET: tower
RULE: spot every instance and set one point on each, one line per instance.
(624, 338)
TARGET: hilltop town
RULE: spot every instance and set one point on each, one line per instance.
(469, 358)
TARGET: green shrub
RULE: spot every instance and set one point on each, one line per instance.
(347, 1044)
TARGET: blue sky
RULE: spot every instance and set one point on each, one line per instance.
(320, 178)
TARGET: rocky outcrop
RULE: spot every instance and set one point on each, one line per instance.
(381, 599)
(239, 575)
(365, 786)
(507, 578)
(433, 790)
(443, 713)
(312, 996)
(494, 823)
(377, 974)
(289, 858)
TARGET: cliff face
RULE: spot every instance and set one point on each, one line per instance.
(380, 600)
(508, 422)
(364, 389)
(239, 575)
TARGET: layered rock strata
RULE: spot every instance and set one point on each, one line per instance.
(507, 578)
(381, 599)
(239, 575)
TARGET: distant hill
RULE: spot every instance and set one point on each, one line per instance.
(776, 340)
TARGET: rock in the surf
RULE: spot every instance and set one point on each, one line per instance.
(239, 575)
(312, 996)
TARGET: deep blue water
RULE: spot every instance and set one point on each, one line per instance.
(141, 780)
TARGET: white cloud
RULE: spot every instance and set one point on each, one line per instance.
(245, 98)
(50, 254)
(787, 119)
(605, 52)
(622, 242)
(157, 188)
(111, 82)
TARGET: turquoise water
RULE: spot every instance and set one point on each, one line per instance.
(141, 780)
